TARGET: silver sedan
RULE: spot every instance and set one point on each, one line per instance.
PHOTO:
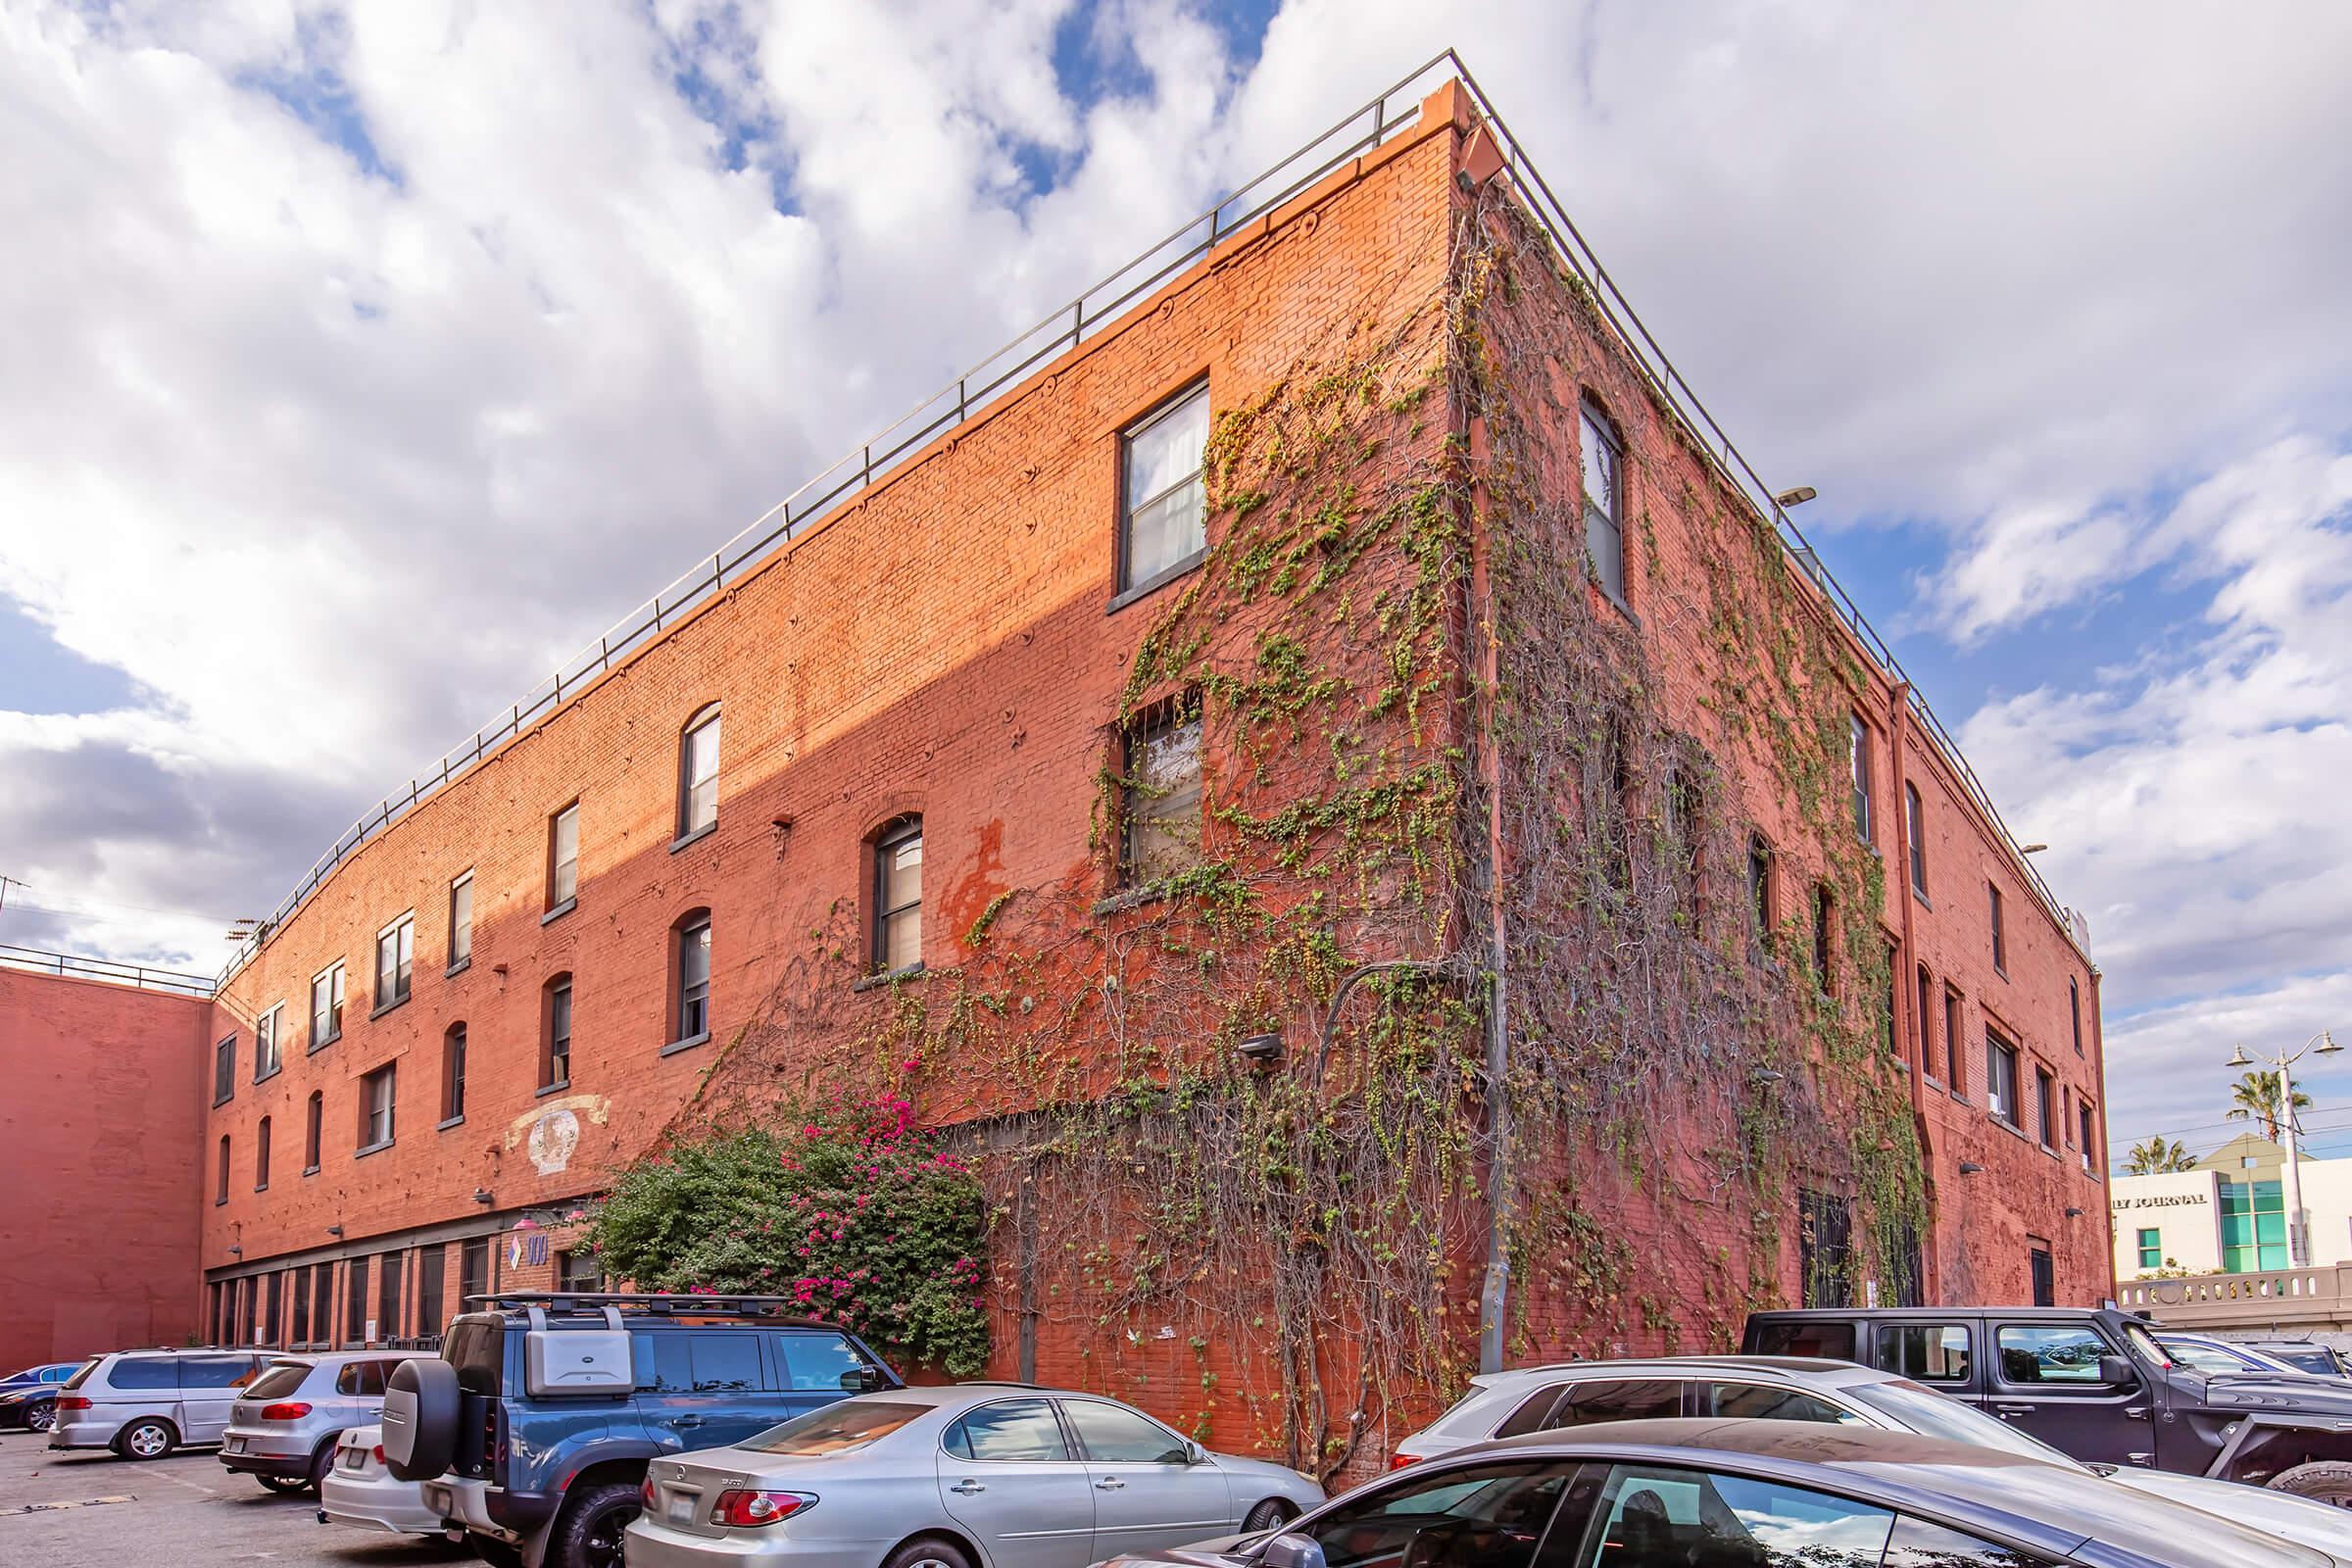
(977, 1475)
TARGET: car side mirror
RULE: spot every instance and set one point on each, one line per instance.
(864, 1380)
(2115, 1371)
(1292, 1552)
(1194, 1454)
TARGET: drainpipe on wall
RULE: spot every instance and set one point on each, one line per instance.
(1494, 1289)
(1907, 984)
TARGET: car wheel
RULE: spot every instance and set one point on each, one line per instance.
(1266, 1515)
(149, 1438)
(928, 1554)
(284, 1485)
(41, 1417)
(589, 1535)
(2325, 1481)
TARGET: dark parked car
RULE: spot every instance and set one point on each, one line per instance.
(2305, 1355)
(2093, 1384)
(533, 1431)
(28, 1399)
(1715, 1494)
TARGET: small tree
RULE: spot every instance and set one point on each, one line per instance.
(2157, 1157)
(2255, 1097)
(855, 1212)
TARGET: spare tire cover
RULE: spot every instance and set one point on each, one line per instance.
(420, 1419)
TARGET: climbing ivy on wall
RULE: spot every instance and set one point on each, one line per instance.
(1405, 731)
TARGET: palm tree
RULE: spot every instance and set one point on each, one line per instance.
(2255, 1097)
(2157, 1157)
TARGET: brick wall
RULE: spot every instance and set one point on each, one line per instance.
(101, 1120)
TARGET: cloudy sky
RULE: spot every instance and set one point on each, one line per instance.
(357, 364)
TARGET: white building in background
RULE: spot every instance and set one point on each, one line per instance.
(2227, 1213)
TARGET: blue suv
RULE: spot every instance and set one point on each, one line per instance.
(533, 1432)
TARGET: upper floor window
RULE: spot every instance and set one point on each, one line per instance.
(1915, 829)
(1825, 913)
(313, 1116)
(896, 936)
(225, 1070)
(1952, 1039)
(2046, 1107)
(2083, 1128)
(692, 1015)
(2073, 1012)
(698, 772)
(1927, 1023)
(2000, 936)
(1160, 793)
(266, 1057)
(1685, 803)
(555, 1034)
(1163, 511)
(1604, 501)
(395, 959)
(2001, 1079)
(221, 1177)
(376, 1095)
(564, 857)
(327, 1006)
(460, 921)
(1759, 891)
(261, 1155)
(453, 1073)
(1858, 763)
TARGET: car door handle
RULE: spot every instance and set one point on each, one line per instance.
(2137, 1413)
(967, 1488)
(688, 1421)
(1110, 1484)
(2014, 1409)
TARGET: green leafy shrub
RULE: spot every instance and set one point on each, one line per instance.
(857, 1212)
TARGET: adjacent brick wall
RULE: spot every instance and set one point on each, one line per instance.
(100, 1119)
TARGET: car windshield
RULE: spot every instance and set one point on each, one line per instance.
(1916, 1407)
(836, 1429)
(2303, 1358)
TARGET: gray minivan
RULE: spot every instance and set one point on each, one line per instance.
(144, 1403)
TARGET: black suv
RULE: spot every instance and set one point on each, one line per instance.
(532, 1430)
(2094, 1384)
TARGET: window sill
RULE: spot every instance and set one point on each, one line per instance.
(1126, 898)
(545, 1090)
(221, 1202)
(687, 1043)
(1919, 896)
(458, 967)
(316, 1045)
(1616, 603)
(2003, 973)
(261, 1187)
(560, 911)
(364, 1149)
(383, 1007)
(222, 1101)
(1155, 582)
(309, 1170)
(695, 837)
(870, 982)
(266, 1077)
(446, 1122)
(2008, 1126)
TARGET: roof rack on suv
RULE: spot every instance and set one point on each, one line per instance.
(658, 1304)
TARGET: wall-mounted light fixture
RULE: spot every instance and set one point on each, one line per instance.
(481, 1195)
(334, 1230)
(2073, 1212)
(1264, 1050)
(234, 1251)
(1969, 1167)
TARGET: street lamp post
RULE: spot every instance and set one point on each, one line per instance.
(2298, 1248)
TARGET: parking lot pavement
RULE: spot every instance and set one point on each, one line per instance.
(78, 1510)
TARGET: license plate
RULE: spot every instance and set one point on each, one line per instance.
(233, 1445)
(682, 1510)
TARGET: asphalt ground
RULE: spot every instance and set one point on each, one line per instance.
(93, 1510)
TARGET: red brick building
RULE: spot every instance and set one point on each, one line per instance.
(101, 1120)
(1329, 776)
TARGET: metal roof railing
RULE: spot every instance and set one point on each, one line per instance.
(35, 961)
(1363, 128)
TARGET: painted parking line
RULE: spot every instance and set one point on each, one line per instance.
(59, 1508)
(183, 1480)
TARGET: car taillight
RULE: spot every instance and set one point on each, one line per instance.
(1397, 1462)
(72, 1401)
(379, 1453)
(755, 1509)
(286, 1410)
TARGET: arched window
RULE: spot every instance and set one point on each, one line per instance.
(898, 898)
(698, 772)
(555, 1033)
(221, 1182)
(690, 977)
(313, 1118)
(452, 1074)
(261, 1157)
(1604, 501)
